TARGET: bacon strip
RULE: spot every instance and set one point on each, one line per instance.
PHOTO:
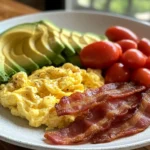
(139, 122)
(79, 102)
(95, 120)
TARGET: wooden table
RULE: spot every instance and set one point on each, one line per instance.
(9, 9)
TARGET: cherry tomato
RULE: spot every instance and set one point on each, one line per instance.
(133, 58)
(117, 33)
(119, 48)
(117, 73)
(144, 46)
(127, 44)
(147, 65)
(99, 54)
(141, 76)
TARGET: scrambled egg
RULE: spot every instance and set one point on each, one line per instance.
(34, 97)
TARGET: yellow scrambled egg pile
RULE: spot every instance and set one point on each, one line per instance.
(34, 97)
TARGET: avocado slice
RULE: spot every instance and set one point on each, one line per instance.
(50, 25)
(73, 40)
(75, 60)
(15, 60)
(43, 46)
(54, 41)
(7, 43)
(56, 44)
(50, 39)
(3, 75)
(20, 58)
(82, 40)
(7, 48)
(30, 50)
(65, 38)
(9, 70)
(91, 37)
(78, 42)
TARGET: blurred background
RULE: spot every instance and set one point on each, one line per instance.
(138, 9)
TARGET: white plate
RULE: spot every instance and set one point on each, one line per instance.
(17, 131)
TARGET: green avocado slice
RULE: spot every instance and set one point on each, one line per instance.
(30, 51)
(54, 40)
(91, 37)
(9, 70)
(8, 59)
(75, 60)
(20, 58)
(73, 40)
(8, 41)
(82, 41)
(50, 25)
(43, 46)
(3, 75)
(65, 38)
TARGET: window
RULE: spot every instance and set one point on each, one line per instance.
(139, 9)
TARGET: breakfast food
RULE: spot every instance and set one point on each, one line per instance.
(39, 44)
(112, 103)
(120, 59)
(117, 109)
(34, 97)
(92, 97)
(94, 88)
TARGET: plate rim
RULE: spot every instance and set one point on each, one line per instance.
(78, 12)
(55, 147)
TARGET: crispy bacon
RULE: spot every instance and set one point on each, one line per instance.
(79, 102)
(98, 118)
(139, 122)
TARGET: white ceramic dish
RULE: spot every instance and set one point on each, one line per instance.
(17, 131)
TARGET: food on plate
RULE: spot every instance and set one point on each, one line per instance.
(133, 58)
(136, 123)
(118, 72)
(117, 33)
(144, 46)
(79, 102)
(39, 44)
(141, 76)
(127, 44)
(88, 85)
(147, 65)
(113, 103)
(119, 58)
(117, 109)
(100, 54)
(34, 97)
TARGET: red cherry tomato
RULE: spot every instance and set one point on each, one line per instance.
(141, 76)
(144, 46)
(119, 48)
(117, 33)
(99, 54)
(133, 58)
(127, 44)
(147, 63)
(117, 73)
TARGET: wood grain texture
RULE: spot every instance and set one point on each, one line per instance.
(10, 8)
(6, 146)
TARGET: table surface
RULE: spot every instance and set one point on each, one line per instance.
(10, 9)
